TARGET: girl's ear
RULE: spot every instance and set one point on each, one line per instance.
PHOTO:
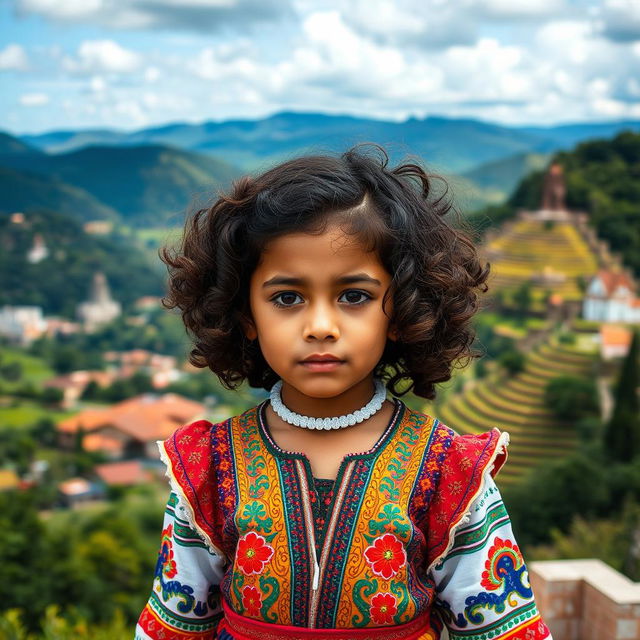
(392, 333)
(249, 328)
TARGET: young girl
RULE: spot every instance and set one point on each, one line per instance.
(330, 510)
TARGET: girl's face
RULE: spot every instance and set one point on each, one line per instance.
(317, 312)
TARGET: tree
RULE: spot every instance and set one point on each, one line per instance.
(572, 398)
(622, 433)
(12, 371)
(513, 361)
(522, 298)
(51, 396)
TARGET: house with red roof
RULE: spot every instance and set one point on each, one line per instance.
(611, 297)
(130, 429)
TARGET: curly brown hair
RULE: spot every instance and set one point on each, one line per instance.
(436, 272)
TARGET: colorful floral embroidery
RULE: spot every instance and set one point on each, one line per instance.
(390, 517)
(253, 553)
(504, 558)
(386, 556)
(505, 568)
(383, 608)
(251, 601)
(166, 560)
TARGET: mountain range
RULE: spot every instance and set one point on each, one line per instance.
(149, 177)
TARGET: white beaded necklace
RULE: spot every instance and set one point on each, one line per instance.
(337, 422)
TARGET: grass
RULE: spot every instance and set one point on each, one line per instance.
(34, 370)
(27, 413)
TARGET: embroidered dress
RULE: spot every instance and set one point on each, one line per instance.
(412, 536)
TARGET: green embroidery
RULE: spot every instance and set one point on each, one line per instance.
(255, 466)
(266, 585)
(255, 512)
(391, 492)
(390, 515)
(362, 591)
(401, 592)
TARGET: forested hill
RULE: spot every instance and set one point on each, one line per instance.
(63, 279)
(146, 185)
(603, 179)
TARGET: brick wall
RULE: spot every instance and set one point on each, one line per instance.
(586, 600)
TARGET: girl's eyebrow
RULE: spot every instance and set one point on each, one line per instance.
(300, 282)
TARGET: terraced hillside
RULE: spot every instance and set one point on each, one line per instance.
(516, 404)
(552, 257)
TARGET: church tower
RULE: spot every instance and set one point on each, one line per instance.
(100, 308)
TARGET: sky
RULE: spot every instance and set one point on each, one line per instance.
(130, 64)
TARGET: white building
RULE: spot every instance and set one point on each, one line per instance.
(38, 251)
(611, 297)
(22, 324)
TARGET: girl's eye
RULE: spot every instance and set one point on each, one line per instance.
(354, 296)
(288, 298)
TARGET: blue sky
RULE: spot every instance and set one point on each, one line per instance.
(130, 64)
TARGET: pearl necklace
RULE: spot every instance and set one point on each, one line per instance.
(338, 422)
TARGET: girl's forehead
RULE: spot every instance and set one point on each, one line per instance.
(333, 239)
(332, 251)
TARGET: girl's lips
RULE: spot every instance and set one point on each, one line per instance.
(321, 365)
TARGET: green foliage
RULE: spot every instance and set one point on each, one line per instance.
(144, 184)
(552, 495)
(12, 371)
(567, 338)
(602, 178)
(17, 447)
(610, 540)
(622, 433)
(56, 626)
(90, 564)
(61, 281)
(513, 361)
(571, 397)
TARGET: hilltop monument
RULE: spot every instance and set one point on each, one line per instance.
(101, 307)
(554, 189)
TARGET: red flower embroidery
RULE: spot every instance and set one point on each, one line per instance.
(253, 553)
(166, 553)
(383, 608)
(386, 556)
(251, 601)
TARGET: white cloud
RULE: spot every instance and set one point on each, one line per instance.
(102, 56)
(619, 20)
(13, 57)
(69, 10)
(34, 99)
(542, 61)
(194, 15)
(515, 10)
(429, 24)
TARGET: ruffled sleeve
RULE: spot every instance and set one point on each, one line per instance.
(189, 457)
(469, 462)
(482, 583)
(185, 598)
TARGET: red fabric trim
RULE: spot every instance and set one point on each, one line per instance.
(154, 627)
(244, 628)
(461, 478)
(533, 629)
(190, 454)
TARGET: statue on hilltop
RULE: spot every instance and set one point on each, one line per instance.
(554, 189)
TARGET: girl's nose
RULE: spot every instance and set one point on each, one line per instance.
(321, 323)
